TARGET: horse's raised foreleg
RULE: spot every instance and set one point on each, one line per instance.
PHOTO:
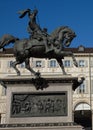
(74, 61)
(69, 53)
(14, 66)
(60, 62)
(27, 65)
(73, 57)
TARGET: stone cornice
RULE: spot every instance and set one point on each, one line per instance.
(6, 55)
(50, 79)
(41, 125)
(76, 55)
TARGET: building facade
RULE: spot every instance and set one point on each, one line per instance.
(82, 96)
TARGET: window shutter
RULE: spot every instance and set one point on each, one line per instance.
(86, 63)
(92, 86)
(57, 64)
(43, 63)
(91, 63)
(34, 64)
(77, 62)
(48, 64)
(86, 86)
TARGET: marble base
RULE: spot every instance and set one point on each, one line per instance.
(60, 88)
(46, 128)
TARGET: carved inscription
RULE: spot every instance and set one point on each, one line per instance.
(39, 104)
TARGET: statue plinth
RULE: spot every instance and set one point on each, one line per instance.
(50, 108)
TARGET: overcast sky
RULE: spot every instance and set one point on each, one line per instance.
(77, 14)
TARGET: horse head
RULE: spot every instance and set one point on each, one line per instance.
(64, 35)
(68, 36)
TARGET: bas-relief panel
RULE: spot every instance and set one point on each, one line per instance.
(39, 104)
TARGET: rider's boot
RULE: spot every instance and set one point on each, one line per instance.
(49, 48)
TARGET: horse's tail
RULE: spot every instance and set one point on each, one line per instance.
(6, 40)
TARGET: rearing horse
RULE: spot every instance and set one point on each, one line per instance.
(26, 48)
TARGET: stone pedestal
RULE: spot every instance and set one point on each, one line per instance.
(50, 108)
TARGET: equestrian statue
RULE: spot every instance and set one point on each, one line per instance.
(40, 44)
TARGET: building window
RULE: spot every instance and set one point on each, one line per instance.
(81, 63)
(22, 65)
(82, 88)
(67, 63)
(38, 64)
(10, 64)
(53, 63)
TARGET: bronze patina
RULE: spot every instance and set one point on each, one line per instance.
(40, 44)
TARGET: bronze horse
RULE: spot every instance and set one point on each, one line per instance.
(31, 47)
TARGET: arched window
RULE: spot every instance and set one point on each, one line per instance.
(82, 106)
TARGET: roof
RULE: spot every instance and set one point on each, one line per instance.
(6, 51)
(80, 49)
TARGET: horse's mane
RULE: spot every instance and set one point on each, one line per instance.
(57, 30)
